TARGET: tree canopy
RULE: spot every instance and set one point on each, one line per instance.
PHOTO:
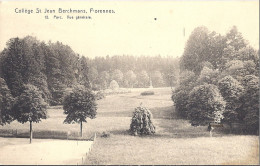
(6, 103)
(79, 105)
(30, 106)
(218, 76)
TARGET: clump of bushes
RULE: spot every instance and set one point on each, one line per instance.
(145, 93)
(100, 95)
(141, 123)
(205, 105)
(105, 134)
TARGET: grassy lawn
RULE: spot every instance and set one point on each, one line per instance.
(175, 141)
(124, 149)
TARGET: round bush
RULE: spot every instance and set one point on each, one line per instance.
(142, 122)
(113, 85)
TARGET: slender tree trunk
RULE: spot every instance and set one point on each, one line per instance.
(81, 134)
(31, 132)
(210, 133)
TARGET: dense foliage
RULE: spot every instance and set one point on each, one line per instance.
(231, 91)
(50, 67)
(55, 67)
(141, 122)
(30, 106)
(205, 105)
(250, 103)
(218, 69)
(79, 105)
(6, 102)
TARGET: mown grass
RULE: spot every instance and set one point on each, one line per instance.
(125, 149)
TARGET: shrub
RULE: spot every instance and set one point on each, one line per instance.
(113, 85)
(205, 105)
(105, 135)
(180, 99)
(142, 122)
(147, 93)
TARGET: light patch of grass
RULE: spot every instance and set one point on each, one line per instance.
(151, 150)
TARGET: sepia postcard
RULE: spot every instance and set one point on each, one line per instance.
(171, 82)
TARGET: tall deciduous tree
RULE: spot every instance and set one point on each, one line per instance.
(24, 62)
(54, 74)
(14, 73)
(130, 78)
(157, 79)
(30, 107)
(80, 105)
(196, 49)
(6, 102)
(235, 39)
(104, 78)
(84, 72)
(118, 76)
(143, 79)
(93, 77)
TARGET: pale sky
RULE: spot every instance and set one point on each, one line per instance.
(132, 29)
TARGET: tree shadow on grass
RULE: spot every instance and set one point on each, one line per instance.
(120, 132)
(163, 112)
(169, 125)
(177, 134)
(180, 128)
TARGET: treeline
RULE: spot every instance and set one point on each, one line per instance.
(219, 80)
(51, 67)
(54, 68)
(131, 71)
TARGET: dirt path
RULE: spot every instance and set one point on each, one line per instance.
(18, 151)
